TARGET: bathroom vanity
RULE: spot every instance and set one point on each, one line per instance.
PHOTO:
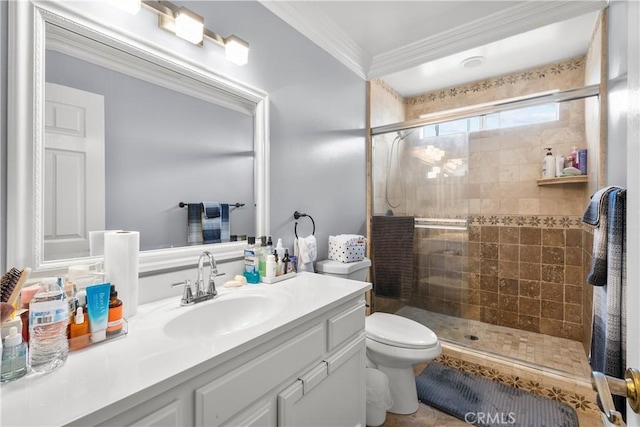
(291, 353)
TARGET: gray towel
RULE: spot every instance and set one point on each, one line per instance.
(608, 273)
(392, 251)
(215, 222)
(194, 224)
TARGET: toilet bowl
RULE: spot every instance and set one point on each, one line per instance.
(394, 343)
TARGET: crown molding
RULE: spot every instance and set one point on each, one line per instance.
(514, 20)
(322, 31)
(521, 17)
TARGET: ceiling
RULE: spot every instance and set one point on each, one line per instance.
(417, 46)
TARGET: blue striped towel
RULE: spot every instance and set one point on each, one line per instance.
(215, 222)
(194, 224)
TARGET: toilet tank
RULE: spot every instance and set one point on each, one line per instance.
(347, 270)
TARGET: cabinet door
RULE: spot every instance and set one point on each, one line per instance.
(168, 416)
(335, 397)
(262, 414)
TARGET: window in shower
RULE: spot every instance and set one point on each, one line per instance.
(501, 120)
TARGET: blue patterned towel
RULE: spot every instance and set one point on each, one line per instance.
(215, 222)
(194, 224)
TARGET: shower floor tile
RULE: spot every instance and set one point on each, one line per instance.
(544, 351)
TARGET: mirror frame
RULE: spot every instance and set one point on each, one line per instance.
(25, 151)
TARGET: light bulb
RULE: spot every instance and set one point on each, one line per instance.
(236, 50)
(189, 26)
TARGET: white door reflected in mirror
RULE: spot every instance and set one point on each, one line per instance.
(74, 199)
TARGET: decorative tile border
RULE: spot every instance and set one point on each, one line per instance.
(391, 91)
(546, 221)
(578, 401)
(538, 221)
(509, 79)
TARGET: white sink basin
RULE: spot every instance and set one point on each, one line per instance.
(229, 312)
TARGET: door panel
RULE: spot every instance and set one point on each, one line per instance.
(74, 187)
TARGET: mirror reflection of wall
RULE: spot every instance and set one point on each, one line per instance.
(161, 148)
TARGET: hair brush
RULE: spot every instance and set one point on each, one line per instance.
(11, 283)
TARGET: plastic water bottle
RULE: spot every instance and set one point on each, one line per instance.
(48, 320)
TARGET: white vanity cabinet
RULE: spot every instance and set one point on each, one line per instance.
(311, 374)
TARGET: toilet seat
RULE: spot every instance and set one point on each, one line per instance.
(398, 331)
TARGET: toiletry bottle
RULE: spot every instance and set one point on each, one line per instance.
(48, 320)
(262, 256)
(548, 166)
(80, 336)
(279, 249)
(250, 268)
(574, 157)
(115, 313)
(559, 165)
(582, 160)
(271, 267)
(14, 357)
(285, 261)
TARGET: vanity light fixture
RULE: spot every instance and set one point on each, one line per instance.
(189, 25)
(236, 50)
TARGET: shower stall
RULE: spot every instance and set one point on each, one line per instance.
(499, 255)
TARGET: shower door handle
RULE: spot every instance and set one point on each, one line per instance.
(607, 386)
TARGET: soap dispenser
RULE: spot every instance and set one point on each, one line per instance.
(548, 165)
(14, 356)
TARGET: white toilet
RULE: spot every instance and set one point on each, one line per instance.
(394, 343)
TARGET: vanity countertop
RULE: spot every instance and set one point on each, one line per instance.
(105, 374)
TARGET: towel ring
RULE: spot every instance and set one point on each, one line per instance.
(297, 215)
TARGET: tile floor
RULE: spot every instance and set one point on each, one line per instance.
(547, 366)
(532, 348)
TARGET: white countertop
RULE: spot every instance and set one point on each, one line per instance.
(106, 373)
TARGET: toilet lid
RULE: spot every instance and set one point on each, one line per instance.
(399, 331)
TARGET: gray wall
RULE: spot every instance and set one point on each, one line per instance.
(317, 120)
(163, 147)
(317, 109)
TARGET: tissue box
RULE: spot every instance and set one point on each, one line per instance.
(346, 250)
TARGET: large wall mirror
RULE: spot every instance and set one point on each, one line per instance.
(162, 131)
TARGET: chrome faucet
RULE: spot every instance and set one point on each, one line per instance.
(201, 292)
(210, 290)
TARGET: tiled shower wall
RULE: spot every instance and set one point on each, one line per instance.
(527, 254)
(521, 263)
(516, 272)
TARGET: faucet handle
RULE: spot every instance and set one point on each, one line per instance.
(211, 289)
(187, 295)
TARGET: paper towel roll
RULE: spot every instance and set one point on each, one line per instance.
(121, 267)
(96, 242)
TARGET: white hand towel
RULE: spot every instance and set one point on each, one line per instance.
(307, 252)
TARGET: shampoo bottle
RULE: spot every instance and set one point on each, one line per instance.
(549, 165)
(574, 157)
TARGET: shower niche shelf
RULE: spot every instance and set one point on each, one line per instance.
(577, 179)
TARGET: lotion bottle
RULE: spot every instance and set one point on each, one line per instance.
(271, 267)
(549, 165)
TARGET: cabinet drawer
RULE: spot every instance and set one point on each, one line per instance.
(218, 400)
(345, 325)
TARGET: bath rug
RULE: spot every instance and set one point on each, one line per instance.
(482, 402)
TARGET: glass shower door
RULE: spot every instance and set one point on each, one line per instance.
(424, 176)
